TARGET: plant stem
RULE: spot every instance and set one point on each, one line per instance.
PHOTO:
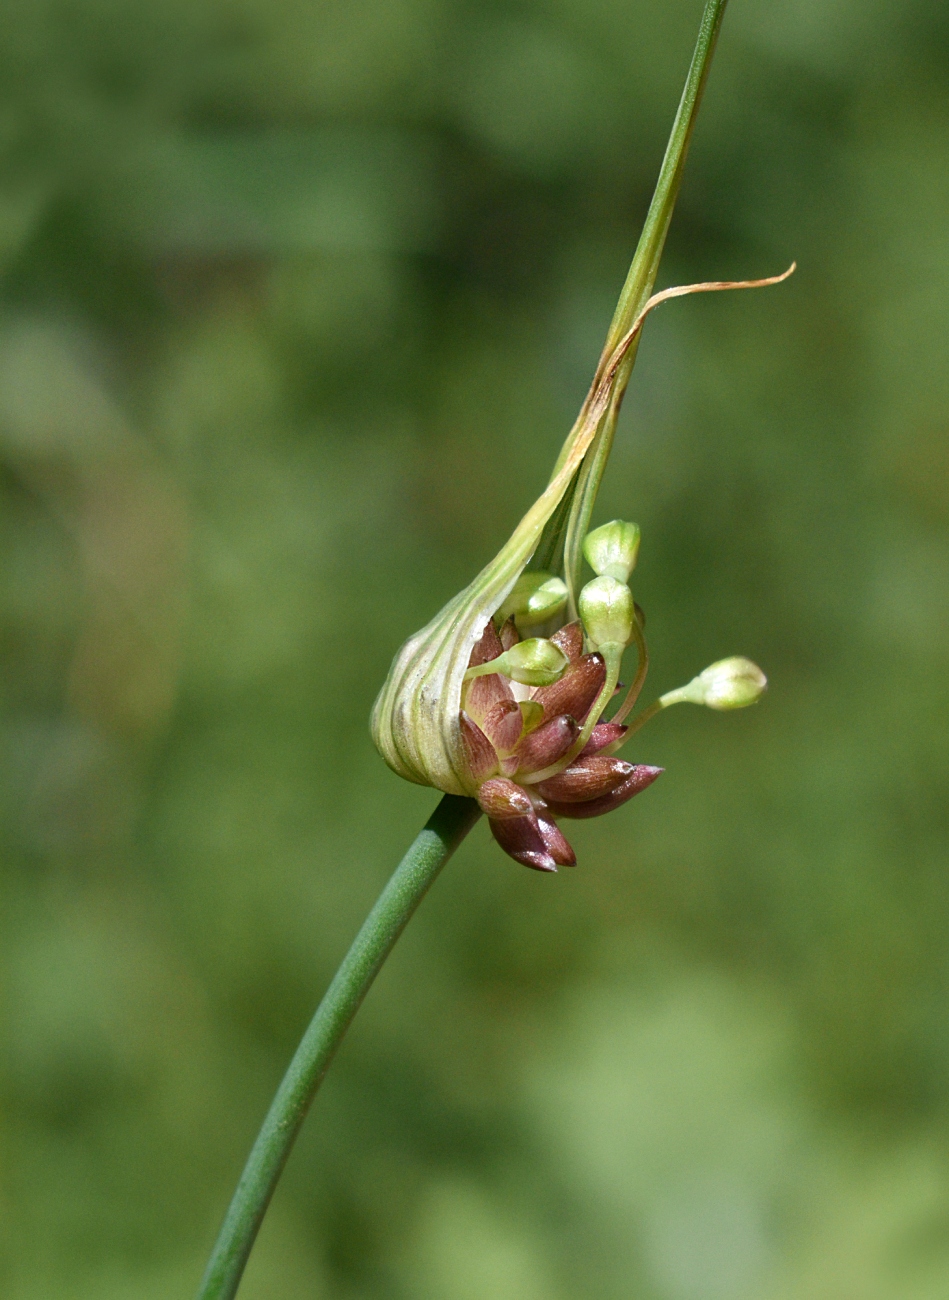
(433, 846)
(638, 287)
(642, 718)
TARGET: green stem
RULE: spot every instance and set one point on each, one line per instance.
(642, 668)
(443, 832)
(645, 264)
(641, 719)
(639, 285)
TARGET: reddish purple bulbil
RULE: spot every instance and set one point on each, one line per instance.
(507, 741)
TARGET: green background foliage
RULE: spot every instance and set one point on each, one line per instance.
(298, 302)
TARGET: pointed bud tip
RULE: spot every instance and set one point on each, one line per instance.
(612, 549)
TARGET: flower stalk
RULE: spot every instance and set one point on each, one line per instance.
(433, 846)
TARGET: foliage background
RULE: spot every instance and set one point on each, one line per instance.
(298, 300)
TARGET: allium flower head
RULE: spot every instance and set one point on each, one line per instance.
(502, 695)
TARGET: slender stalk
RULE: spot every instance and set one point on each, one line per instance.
(642, 718)
(433, 846)
(639, 286)
(642, 668)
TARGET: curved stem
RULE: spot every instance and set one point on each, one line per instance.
(642, 668)
(642, 718)
(443, 832)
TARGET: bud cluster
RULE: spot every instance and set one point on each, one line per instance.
(529, 740)
(510, 742)
(536, 749)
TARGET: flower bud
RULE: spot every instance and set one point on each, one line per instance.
(487, 647)
(522, 839)
(481, 755)
(611, 549)
(576, 690)
(570, 640)
(535, 662)
(603, 734)
(606, 608)
(502, 799)
(534, 598)
(503, 724)
(484, 693)
(547, 744)
(729, 684)
(555, 842)
(585, 779)
(639, 778)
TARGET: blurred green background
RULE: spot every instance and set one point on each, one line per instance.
(298, 302)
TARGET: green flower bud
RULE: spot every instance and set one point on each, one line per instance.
(535, 598)
(607, 610)
(611, 549)
(729, 684)
(535, 662)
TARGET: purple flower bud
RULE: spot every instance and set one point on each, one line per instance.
(585, 779)
(488, 648)
(483, 693)
(555, 842)
(576, 690)
(480, 754)
(570, 640)
(500, 798)
(603, 734)
(521, 839)
(503, 724)
(549, 742)
(640, 777)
